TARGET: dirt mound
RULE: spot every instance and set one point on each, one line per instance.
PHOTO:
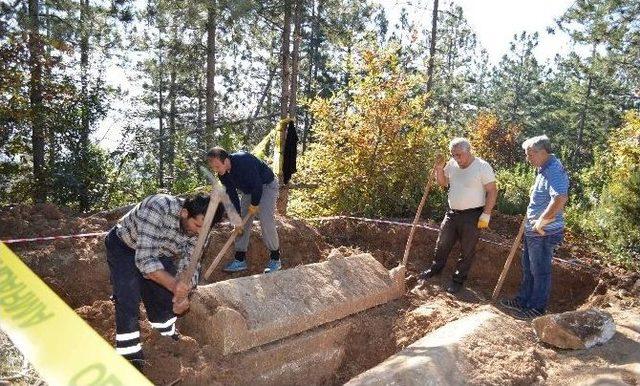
(508, 358)
(76, 269)
(41, 220)
(300, 243)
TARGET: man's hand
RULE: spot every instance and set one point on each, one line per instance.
(180, 304)
(483, 221)
(253, 210)
(539, 224)
(238, 230)
(181, 290)
(439, 162)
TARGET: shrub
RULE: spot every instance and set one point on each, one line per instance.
(514, 185)
(373, 151)
(494, 141)
(612, 211)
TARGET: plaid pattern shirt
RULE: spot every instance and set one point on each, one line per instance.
(153, 230)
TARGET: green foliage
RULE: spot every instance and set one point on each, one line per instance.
(70, 179)
(373, 151)
(612, 212)
(514, 185)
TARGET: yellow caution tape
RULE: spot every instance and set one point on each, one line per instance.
(62, 347)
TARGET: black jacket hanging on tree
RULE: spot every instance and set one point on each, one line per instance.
(290, 153)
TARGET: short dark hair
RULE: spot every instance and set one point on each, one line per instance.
(217, 152)
(198, 204)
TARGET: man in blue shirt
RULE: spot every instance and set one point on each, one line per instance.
(544, 229)
(242, 171)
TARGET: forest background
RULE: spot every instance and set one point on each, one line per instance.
(373, 100)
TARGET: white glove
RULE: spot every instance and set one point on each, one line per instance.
(483, 221)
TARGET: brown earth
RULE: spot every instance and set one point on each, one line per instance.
(76, 270)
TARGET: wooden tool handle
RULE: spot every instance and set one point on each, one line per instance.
(507, 264)
(214, 201)
(415, 220)
(224, 249)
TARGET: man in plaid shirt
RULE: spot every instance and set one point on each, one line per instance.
(141, 250)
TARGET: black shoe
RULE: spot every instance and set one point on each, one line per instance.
(511, 304)
(454, 287)
(427, 274)
(527, 314)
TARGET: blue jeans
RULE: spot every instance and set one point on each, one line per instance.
(536, 270)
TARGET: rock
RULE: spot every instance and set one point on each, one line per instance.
(238, 314)
(575, 329)
(636, 288)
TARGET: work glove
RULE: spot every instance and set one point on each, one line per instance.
(540, 223)
(483, 221)
(253, 210)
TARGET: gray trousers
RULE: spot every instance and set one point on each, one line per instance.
(266, 215)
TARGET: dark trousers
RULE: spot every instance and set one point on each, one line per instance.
(458, 226)
(129, 287)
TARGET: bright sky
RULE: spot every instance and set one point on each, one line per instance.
(496, 21)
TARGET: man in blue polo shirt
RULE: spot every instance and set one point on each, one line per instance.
(258, 193)
(544, 229)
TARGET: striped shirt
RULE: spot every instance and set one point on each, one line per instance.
(153, 230)
(551, 181)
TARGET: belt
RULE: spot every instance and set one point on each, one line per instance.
(466, 210)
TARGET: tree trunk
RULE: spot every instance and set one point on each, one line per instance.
(313, 68)
(40, 189)
(161, 148)
(281, 204)
(284, 61)
(449, 78)
(199, 113)
(172, 123)
(432, 45)
(50, 133)
(83, 156)
(211, 72)
(295, 57)
(583, 112)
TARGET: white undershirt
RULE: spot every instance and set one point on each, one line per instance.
(466, 186)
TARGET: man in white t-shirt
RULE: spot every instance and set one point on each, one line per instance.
(472, 196)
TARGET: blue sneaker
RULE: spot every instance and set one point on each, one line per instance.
(274, 265)
(235, 266)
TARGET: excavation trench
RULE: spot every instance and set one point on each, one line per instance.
(322, 350)
(332, 350)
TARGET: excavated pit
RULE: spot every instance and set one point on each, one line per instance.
(326, 351)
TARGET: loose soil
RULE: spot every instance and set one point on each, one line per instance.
(76, 270)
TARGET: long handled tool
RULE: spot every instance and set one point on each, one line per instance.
(407, 248)
(214, 201)
(224, 249)
(186, 275)
(507, 264)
